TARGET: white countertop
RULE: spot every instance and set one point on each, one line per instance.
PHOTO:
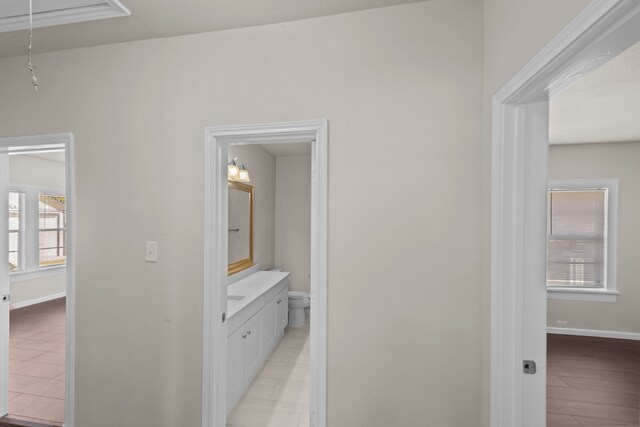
(251, 287)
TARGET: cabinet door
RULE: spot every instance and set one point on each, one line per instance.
(235, 367)
(252, 347)
(269, 325)
(282, 310)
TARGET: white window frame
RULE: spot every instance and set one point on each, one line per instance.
(609, 293)
(21, 233)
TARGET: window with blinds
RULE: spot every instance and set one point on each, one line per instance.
(577, 238)
(52, 229)
(15, 231)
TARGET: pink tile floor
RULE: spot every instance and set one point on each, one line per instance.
(37, 362)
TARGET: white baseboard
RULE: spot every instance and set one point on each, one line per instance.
(38, 300)
(594, 333)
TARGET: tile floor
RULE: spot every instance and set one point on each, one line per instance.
(37, 362)
(279, 395)
(593, 382)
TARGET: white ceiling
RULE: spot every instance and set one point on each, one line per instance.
(603, 106)
(14, 14)
(12, 8)
(56, 156)
(289, 149)
(164, 18)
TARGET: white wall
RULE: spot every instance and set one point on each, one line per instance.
(293, 219)
(405, 256)
(262, 172)
(28, 174)
(602, 161)
(30, 170)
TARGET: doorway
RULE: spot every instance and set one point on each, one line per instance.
(37, 307)
(519, 216)
(217, 143)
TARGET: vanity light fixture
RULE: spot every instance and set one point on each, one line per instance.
(243, 174)
(233, 170)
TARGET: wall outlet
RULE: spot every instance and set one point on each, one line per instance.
(561, 323)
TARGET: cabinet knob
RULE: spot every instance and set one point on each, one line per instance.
(244, 337)
(248, 332)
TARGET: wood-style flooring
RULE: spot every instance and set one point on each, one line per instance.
(593, 382)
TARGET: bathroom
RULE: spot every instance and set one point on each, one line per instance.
(269, 272)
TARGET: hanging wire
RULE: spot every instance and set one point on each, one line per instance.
(34, 80)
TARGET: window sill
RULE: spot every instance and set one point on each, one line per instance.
(19, 276)
(571, 294)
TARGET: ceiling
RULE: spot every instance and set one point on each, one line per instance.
(164, 18)
(289, 149)
(603, 106)
(55, 156)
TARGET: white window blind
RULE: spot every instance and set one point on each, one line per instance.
(577, 238)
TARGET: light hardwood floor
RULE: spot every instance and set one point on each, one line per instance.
(279, 395)
(593, 382)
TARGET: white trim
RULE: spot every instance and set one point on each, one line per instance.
(217, 141)
(582, 294)
(594, 333)
(110, 9)
(601, 31)
(38, 300)
(22, 275)
(67, 141)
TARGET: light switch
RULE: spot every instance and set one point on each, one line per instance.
(152, 251)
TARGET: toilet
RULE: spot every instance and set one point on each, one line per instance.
(298, 302)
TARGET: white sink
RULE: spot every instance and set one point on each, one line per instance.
(235, 297)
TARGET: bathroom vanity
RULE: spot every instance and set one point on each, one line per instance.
(257, 314)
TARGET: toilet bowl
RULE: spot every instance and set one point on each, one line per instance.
(298, 301)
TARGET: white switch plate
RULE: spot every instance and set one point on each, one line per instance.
(152, 252)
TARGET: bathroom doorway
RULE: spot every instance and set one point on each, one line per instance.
(268, 369)
(36, 284)
(218, 143)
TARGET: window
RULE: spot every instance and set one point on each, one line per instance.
(52, 229)
(15, 231)
(581, 236)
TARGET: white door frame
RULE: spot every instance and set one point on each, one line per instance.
(217, 141)
(62, 140)
(519, 181)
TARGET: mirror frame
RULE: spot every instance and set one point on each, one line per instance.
(243, 264)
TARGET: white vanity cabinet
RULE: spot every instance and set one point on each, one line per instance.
(255, 326)
(282, 309)
(235, 366)
(244, 357)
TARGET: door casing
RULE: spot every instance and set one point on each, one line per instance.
(217, 142)
(601, 31)
(66, 141)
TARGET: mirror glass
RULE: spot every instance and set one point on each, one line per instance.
(240, 231)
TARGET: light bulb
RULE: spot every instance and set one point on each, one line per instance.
(243, 174)
(233, 171)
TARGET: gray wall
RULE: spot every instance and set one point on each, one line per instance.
(293, 219)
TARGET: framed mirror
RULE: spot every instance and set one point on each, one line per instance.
(240, 230)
